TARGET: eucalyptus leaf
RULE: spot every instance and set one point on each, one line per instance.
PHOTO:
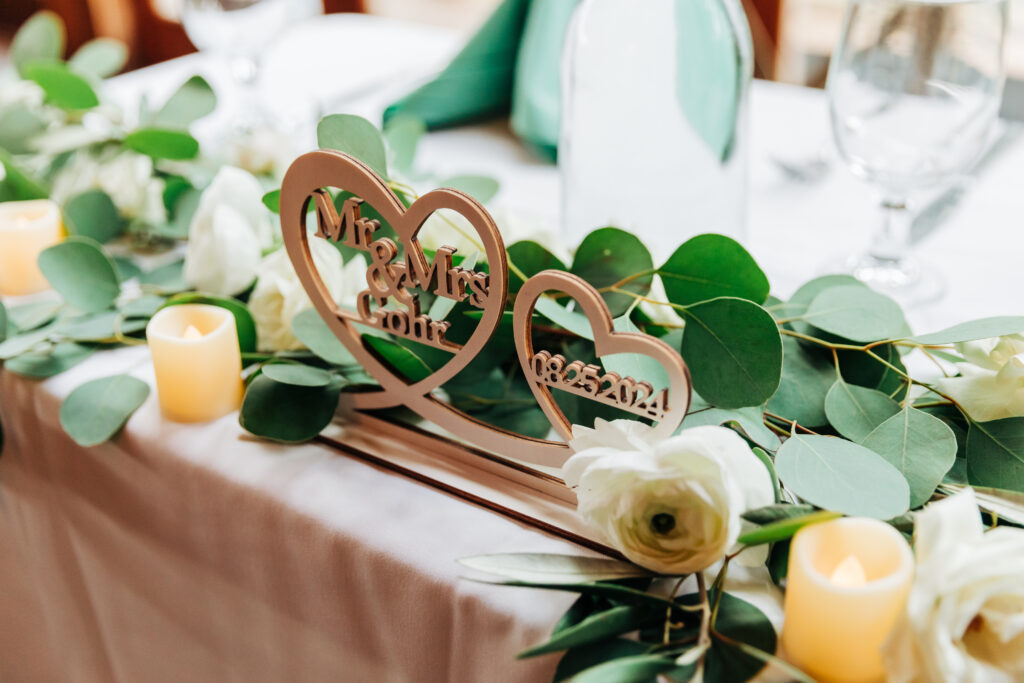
(403, 134)
(143, 307)
(611, 591)
(41, 37)
(856, 313)
(167, 278)
(30, 316)
(313, 332)
(749, 420)
(100, 58)
(597, 627)
(578, 659)
(919, 445)
(855, 411)
(734, 352)
(480, 188)
(3, 322)
(995, 454)
(126, 268)
(99, 327)
(784, 529)
(286, 412)
(272, 200)
(163, 143)
(636, 365)
(193, 100)
(47, 363)
(17, 344)
(63, 88)
(806, 380)
(709, 266)
(797, 305)
(356, 136)
(742, 622)
(405, 362)
(574, 322)
(975, 329)
(81, 273)
(636, 669)
(97, 410)
(18, 126)
(16, 184)
(552, 568)
(297, 374)
(530, 258)
(608, 256)
(836, 474)
(244, 322)
(93, 214)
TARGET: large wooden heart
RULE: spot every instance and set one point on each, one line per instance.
(545, 370)
(304, 182)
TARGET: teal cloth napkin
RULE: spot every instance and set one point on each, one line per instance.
(513, 65)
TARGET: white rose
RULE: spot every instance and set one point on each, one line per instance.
(263, 151)
(278, 296)
(672, 506)
(127, 177)
(964, 620)
(229, 231)
(991, 382)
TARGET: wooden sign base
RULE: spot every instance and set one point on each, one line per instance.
(506, 487)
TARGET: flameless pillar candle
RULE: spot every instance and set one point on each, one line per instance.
(847, 584)
(26, 228)
(197, 362)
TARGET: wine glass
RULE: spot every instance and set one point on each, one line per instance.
(240, 31)
(914, 90)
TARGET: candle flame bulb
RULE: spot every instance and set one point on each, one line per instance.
(192, 332)
(849, 573)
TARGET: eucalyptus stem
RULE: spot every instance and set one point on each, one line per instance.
(668, 611)
(704, 641)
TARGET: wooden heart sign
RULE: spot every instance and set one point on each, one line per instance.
(390, 304)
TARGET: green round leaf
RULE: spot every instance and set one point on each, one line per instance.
(81, 273)
(96, 410)
(745, 623)
(99, 327)
(63, 88)
(920, 446)
(312, 331)
(93, 214)
(480, 188)
(836, 474)
(531, 258)
(855, 411)
(42, 36)
(709, 266)
(161, 143)
(52, 361)
(734, 352)
(356, 136)
(100, 58)
(806, 379)
(403, 133)
(299, 375)
(802, 298)
(609, 255)
(193, 100)
(272, 200)
(975, 329)
(243, 318)
(995, 454)
(286, 412)
(856, 313)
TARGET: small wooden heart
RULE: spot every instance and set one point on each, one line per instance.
(545, 370)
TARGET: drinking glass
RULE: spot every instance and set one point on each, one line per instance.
(241, 31)
(914, 89)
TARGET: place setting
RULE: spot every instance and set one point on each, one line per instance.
(540, 346)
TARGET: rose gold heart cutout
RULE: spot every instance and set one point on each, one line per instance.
(316, 170)
(545, 370)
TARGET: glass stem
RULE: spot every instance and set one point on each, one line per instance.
(893, 238)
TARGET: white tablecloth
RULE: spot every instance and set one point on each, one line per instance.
(198, 553)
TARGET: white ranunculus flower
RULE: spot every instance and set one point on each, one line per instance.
(229, 231)
(458, 233)
(964, 621)
(278, 296)
(127, 177)
(991, 382)
(262, 151)
(674, 505)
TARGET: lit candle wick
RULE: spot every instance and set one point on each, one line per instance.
(192, 332)
(849, 573)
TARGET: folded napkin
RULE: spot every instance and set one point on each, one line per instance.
(510, 65)
(513, 65)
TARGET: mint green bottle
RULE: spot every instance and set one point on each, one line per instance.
(654, 121)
